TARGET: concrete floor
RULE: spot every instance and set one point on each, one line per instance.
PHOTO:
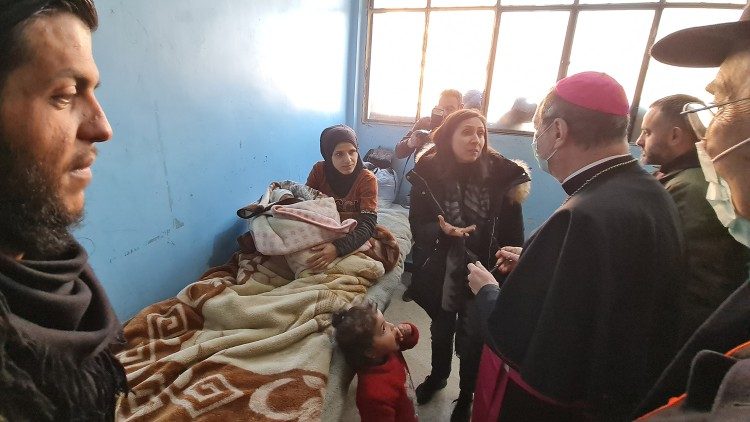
(440, 407)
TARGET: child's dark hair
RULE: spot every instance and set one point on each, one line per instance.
(355, 328)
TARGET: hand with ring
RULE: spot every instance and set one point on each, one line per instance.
(507, 258)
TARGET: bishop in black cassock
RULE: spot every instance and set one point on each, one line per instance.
(584, 323)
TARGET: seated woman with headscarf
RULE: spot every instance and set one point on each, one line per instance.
(342, 176)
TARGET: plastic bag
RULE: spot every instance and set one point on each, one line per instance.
(380, 156)
(386, 185)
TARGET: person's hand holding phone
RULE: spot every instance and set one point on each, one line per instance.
(436, 117)
(418, 138)
(422, 136)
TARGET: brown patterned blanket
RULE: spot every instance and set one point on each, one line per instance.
(245, 342)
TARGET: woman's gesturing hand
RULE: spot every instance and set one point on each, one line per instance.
(452, 230)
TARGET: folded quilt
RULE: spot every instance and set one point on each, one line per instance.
(295, 227)
(245, 342)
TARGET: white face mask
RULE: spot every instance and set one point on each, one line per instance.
(543, 162)
(720, 197)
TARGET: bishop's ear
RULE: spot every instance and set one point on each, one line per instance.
(561, 132)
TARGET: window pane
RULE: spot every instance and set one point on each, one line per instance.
(465, 3)
(533, 2)
(709, 1)
(525, 65)
(399, 3)
(612, 42)
(394, 64)
(616, 1)
(458, 50)
(662, 79)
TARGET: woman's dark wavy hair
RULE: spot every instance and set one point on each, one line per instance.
(15, 16)
(443, 135)
(355, 328)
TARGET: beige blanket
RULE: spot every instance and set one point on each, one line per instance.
(245, 342)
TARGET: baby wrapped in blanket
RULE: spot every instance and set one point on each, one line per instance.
(291, 219)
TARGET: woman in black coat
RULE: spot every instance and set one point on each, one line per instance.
(465, 205)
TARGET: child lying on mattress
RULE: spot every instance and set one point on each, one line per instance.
(372, 346)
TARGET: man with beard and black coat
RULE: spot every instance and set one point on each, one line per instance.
(716, 262)
(56, 323)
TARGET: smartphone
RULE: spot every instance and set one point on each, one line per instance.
(422, 135)
(436, 118)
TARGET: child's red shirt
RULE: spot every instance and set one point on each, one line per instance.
(384, 392)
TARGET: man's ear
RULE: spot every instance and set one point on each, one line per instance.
(676, 136)
(561, 132)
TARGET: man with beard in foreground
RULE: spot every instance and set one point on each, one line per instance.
(56, 324)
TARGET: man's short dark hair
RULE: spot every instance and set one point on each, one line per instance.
(452, 93)
(671, 107)
(15, 16)
(588, 128)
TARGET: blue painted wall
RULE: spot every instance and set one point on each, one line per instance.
(209, 101)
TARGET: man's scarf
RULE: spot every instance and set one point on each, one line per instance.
(56, 326)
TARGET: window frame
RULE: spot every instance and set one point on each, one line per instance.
(575, 8)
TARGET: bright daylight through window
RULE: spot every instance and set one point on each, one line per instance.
(515, 50)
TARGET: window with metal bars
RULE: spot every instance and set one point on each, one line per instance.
(513, 51)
